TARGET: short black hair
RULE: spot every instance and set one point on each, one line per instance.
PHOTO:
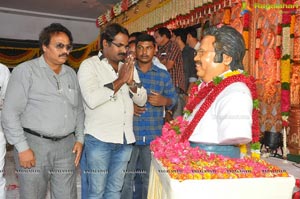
(164, 31)
(145, 37)
(110, 32)
(180, 32)
(47, 32)
(135, 34)
(192, 31)
(230, 42)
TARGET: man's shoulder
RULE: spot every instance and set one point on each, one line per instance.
(236, 89)
(174, 45)
(188, 49)
(70, 69)
(161, 72)
(90, 60)
(4, 69)
(26, 66)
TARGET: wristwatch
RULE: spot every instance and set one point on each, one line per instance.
(132, 85)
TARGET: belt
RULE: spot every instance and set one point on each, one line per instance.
(46, 137)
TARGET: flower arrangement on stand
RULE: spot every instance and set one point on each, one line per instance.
(183, 162)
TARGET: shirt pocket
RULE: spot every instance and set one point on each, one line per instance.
(72, 96)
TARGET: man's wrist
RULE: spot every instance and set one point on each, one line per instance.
(132, 84)
(170, 112)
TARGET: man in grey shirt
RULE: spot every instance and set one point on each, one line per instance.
(43, 118)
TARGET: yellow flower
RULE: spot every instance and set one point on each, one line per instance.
(285, 67)
(207, 175)
(235, 72)
(293, 20)
(246, 38)
(227, 15)
(243, 148)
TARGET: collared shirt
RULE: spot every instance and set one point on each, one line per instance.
(4, 77)
(43, 101)
(171, 51)
(156, 62)
(197, 46)
(228, 120)
(147, 126)
(107, 115)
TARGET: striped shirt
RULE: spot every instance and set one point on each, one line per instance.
(147, 126)
(171, 51)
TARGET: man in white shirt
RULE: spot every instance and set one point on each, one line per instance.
(4, 77)
(109, 89)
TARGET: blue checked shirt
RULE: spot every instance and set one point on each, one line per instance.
(149, 125)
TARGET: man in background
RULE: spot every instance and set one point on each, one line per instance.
(4, 77)
(192, 39)
(188, 54)
(148, 121)
(43, 118)
(169, 54)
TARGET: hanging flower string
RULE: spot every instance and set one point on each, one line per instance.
(285, 89)
(285, 63)
(209, 94)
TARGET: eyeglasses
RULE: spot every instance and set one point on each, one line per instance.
(201, 52)
(61, 46)
(120, 45)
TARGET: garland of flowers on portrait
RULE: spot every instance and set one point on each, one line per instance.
(212, 90)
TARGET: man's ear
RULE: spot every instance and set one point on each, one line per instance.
(44, 48)
(105, 43)
(227, 59)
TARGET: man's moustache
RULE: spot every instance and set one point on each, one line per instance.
(64, 55)
(122, 54)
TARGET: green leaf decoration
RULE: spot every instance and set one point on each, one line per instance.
(217, 80)
(285, 57)
(198, 82)
(186, 112)
(255, 146)
(245, 73)
(256, 103)
(285, 86)
(285, 113)
(176, 129)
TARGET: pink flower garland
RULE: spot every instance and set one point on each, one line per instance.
(183, 162)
